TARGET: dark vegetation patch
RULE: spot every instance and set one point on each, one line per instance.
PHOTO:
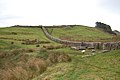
(51, 47)
(33, 41)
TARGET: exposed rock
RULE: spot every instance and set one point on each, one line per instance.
(104, 51)
(83, 51)
(86, 56)
(93, 51)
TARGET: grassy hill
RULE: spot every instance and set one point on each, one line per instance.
(28, 61)
(17, 35)
(81, 33)
(77, 33)
(98, 67)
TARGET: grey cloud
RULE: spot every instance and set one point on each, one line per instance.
(111, 5)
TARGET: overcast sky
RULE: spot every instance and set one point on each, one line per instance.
(59, 12)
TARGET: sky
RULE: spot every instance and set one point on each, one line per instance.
(60, 12)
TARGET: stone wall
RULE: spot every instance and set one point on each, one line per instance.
(39, 26)
(84, 45)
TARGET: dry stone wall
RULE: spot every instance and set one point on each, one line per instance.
(84, 45)
(79, 45)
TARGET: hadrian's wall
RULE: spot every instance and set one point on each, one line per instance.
(93, 45)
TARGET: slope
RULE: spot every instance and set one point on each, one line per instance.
(101, 66)
(80, 33)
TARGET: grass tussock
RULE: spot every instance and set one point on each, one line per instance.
(37, 65)
(58, 57)
(116, 38)
(15, 65)
(17, 73)
(4, 54)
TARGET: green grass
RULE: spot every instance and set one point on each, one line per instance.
(7, 45)
(7, 36)
(77, 33)
(80, 33)
(22, 33)
(102, 66)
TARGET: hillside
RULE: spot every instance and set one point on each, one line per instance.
(78, 33)
(19, 35)
(26, 54)
(81, 33)
(104, 66)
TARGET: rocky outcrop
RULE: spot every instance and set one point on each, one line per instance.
(104, 27)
